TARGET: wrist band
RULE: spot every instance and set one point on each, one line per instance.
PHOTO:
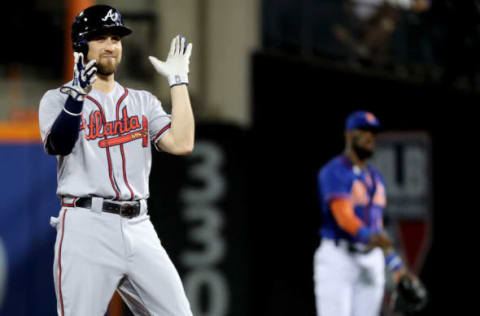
(179, 84)
(175, 80)
(73, 114)
(393, 262)
(363, 234)
(75, 107)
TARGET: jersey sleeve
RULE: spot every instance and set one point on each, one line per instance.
(159, 120)
(334, 183)
(50, 107)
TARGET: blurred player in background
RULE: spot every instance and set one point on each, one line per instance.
(349, 265)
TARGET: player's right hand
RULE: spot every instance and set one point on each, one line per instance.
(83, 78)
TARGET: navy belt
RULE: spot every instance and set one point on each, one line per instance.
(348, 245)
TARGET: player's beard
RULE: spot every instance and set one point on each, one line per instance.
(362, 153)
(106, 68)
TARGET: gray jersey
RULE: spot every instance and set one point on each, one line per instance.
(112, 157)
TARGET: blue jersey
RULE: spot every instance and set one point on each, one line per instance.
(339, 178)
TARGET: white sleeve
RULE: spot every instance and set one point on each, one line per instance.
(51, 105)
(158, 120)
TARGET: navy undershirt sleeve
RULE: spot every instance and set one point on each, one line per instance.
(64, 132)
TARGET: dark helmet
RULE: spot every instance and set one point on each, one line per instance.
(93, 21)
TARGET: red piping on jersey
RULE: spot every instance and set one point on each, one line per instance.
(162, 131)
(117, 193)
(60, 263)
(125, 172)
(47, 134)
(121, 145)
(46, 138)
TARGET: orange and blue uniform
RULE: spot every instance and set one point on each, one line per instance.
(352, 200)
(349, 276)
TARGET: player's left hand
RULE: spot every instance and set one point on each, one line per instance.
(175, 68)
(410, 294)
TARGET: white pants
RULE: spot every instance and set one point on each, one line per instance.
(348, 284)
(98, 253)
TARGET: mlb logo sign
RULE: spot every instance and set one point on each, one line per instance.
(404, 160)
(370, 118)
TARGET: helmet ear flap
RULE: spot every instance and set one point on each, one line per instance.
(84, 48)
(81, 47)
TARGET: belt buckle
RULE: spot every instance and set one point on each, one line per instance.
(127, 210)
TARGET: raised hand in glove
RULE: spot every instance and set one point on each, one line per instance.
(175, 68)
(83, 78)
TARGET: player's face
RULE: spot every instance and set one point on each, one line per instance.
(107, 51)
(364, 139)
(363, 142)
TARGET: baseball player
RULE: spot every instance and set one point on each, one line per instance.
(349, 265)
(101, 134)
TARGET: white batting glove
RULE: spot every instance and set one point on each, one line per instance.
(83, 78)
(176, 66)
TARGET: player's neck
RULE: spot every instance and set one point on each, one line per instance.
(104, 83)
(350, 153)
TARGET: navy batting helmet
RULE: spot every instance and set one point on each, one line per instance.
(93, 21)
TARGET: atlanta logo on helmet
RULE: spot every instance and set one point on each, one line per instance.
(112, 15)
